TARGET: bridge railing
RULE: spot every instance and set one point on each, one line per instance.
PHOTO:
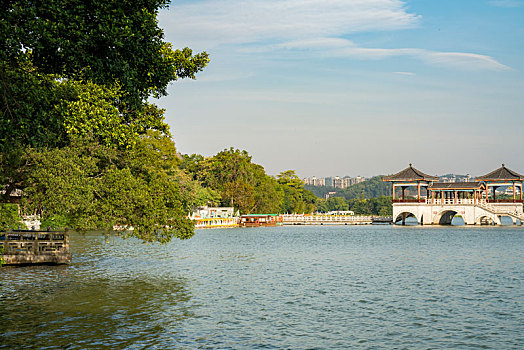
(409, 200)
(505, 200)
(452, 201)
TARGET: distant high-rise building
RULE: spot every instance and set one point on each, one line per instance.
(314, 181)
(347, 181)
(336, 182)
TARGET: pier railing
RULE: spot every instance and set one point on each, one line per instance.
(21, 247)
(290, 219)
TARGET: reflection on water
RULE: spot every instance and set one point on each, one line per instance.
(284, 287)
(97, 304)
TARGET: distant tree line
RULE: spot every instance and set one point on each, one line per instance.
(371, 197)
(230, 178)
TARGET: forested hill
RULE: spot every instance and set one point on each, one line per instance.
(371, 188)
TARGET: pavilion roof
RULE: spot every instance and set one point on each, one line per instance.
(410, 174)
(501, 173)
(457, 186)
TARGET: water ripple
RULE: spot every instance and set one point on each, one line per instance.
(275, 288)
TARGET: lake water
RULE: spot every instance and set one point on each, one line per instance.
(342, 287)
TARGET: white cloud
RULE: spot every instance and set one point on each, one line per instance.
(467, 61)
(346, 48)
(249, 21)
(409, 74)
(317, 26)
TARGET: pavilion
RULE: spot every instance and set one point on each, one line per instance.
(502, 177)
(438, 203)
(410, 177)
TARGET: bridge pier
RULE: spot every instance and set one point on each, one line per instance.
(428, 214)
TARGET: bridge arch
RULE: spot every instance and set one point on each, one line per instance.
(444, 217)
(484, 220)
(506, 220)
(402, 216)
(487, 218)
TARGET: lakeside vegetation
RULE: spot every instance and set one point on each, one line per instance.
(81, 142)
(371, 197)
(230, 178)
(78, 136)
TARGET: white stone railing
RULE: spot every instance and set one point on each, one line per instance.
(453, 201)
(288, 218)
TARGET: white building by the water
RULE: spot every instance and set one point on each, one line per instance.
(475, 201)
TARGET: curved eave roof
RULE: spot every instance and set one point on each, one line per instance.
(500, 174)
(410, 174)
(457, 186)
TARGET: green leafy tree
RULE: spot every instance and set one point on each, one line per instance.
(9, 217)
(245, 185)
(296, 198)
(372, 206)
(241, 195)
(337, 204)
(320, 191)
(239, 182)
(92, 186)
(75, 126)
(371, 188)
(100, 41)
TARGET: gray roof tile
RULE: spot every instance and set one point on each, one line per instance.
(410, 174)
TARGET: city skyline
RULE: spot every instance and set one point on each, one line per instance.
(341, 85)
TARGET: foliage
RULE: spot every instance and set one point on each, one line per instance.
(371, 188)
(9, 218)
(97, 187)
(296, 198)
(54, 222)
(332, 204)
(371, 197)
(238, 181)
(372, 206)
(77, 132)
(100, 41)
(193, 194)
(320, 191)
(246, 186)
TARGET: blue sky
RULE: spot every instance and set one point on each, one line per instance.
(353, 87)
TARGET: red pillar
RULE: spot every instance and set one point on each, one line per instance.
(393, 196)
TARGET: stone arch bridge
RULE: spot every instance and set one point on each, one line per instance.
(422, 196)
(472, 214)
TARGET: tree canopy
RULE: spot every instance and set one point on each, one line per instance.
(246, 186)
(69, 67)
(77, 133)
(371, 197)
(100, 40)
